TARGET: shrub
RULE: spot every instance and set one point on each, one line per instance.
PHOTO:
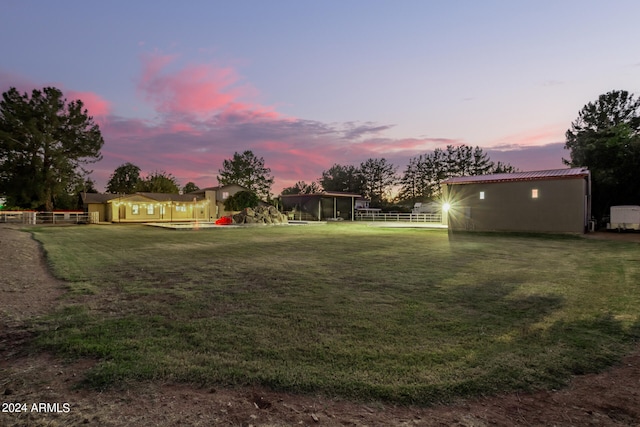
(241, 200)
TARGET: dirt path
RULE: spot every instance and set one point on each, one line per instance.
(611, 398)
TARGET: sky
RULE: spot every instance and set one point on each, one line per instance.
(181, 86)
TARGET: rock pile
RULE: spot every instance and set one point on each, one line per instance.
(260, 215)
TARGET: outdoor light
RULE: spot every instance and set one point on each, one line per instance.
(446, 206)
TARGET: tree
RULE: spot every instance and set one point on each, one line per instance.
(190, 187)
(302, 187)
(124, 179)
(45, 141)
(72, 197)
(248, 171)
(417, 182)
(503, 168)
(88, 186)
(606, 139)
(240, 200)
(158, 182)
(423, 175)
(346, 179)
(378, 176)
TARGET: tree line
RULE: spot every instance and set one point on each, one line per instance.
(47, 142)
(126, 179)
(244, 169)
(376, 178)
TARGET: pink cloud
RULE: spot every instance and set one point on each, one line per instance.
(388, 146)
(94, 103)
(152, 64)
(9, 80)
(533, 137)
(184, 127)
(196, 89)
(201, 90)
(240, 113)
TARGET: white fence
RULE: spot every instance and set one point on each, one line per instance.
(399, 217)
(30, 217)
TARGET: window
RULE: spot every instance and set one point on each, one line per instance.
(161, 209)
(534, 193)
(135, 209)
(149, 209)
(225, 195)
(180, 208)
(482, 195)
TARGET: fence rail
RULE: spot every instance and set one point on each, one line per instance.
(30, 217)
(400, 217)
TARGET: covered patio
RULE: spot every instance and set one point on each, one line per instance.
(321, 206)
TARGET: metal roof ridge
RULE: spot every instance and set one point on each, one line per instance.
(516, 176)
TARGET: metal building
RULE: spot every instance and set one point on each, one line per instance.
(554, 201)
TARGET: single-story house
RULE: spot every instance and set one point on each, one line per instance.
(556, 201)
(202, 205)
(322, 206)
(157, 207)
(97, 202)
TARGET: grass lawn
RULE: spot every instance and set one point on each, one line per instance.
(400, 315)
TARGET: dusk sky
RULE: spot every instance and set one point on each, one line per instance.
(181, 86)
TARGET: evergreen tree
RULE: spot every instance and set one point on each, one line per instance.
(606, 139)
(424, 173)
(45, 141)
(241, 200)
(248, 171)
(347, 179)
(379, 177)
(302, 187)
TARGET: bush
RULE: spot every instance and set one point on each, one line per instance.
(241, 200)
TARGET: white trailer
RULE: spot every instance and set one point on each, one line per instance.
(624, 218)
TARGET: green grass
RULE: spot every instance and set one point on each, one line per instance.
(401, 315)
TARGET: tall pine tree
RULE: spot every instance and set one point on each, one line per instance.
(45, 141)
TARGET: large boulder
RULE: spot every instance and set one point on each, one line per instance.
(238, 218)
(260, 215)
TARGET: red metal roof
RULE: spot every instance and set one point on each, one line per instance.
(520, 176)
(325, 194)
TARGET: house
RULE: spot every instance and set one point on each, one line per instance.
(557, 201)
(157, 207)
(322, 206)
(216, 197)
(202, 205)
(96, 202)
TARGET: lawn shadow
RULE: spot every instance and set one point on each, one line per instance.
(500, 304)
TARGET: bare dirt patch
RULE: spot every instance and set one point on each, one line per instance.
(611, 398)
(621, 236)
